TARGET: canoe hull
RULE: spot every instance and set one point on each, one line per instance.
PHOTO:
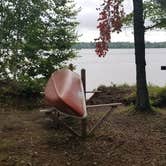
(64, 90)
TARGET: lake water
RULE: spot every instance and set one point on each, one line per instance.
(118, 67)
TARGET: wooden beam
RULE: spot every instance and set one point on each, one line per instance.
(104, 105)
(100, 121)
(95, 91)
(42, 93)
(48, 110)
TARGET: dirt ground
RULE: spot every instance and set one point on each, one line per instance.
(29, 138)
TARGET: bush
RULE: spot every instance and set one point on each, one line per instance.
(157, 96)
(24, 95)
(26, 88)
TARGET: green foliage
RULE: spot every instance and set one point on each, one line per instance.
(36, 38)
(154, 16)
(157, 96)
(25, 88)
(162, 3)
(21, 95)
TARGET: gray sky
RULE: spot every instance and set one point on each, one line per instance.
(88, 22)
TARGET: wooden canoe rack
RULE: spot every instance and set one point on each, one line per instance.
(54, 113)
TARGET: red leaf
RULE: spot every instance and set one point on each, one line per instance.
(110, 20)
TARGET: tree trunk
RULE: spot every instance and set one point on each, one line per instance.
(142, 96)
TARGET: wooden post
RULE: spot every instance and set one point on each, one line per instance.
(83, 78)
(163, 67)
(84, 121)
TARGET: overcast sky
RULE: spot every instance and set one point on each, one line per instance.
(88, 22)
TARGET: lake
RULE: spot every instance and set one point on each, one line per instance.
(118, 67)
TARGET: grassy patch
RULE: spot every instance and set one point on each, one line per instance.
(157, 96)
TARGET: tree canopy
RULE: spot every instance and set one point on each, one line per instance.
(162, 3)
(36, 37)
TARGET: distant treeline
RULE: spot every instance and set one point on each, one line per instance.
(91, 45)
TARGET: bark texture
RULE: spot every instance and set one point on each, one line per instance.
(142, 96)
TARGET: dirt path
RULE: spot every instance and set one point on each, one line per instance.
(29, 139)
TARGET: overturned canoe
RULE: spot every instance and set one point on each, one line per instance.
(64, 90)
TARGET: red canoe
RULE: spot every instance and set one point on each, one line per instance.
(64, 90)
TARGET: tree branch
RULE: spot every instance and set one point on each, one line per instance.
(152, 26)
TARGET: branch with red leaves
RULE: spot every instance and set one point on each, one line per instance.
(110, 20)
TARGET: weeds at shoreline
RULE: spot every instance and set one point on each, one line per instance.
(12, 95)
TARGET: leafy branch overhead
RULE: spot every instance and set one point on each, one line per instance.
(154, 16)
(162, 3)
(110, 20)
